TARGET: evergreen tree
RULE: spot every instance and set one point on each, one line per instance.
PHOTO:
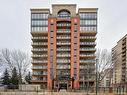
(6, 78)
(14, 78)
(28, 78)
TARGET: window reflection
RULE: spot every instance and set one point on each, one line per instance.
(64, 14)
(88, 21)
(39, 22)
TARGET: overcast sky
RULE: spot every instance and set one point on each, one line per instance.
(15, 21)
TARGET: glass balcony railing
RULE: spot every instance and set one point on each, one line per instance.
(39, 67)
(87, 37)
(87, 43)
(36, 61)
(63, 31)
(87, 49)
(36, 49)
(63, 37)
(63, 61)
(63, 25)
(39, 43)
(36, 55)
(40, 38)
(63, 67)
(63, 49)
(60, 43)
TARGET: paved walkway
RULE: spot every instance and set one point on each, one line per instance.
(72, 93)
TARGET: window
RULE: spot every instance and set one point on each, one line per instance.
(88, 21)
(39, 16)
(39, 22)
(75, 30)
(86, 15)
(64, 14)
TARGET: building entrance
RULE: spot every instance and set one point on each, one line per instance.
(63, 86)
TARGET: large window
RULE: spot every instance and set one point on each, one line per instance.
(39, 22)
(88, 15)
(88, 21)
(64, 14)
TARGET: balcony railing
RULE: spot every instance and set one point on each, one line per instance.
(39, 67)
(62, 67)
(63, 31)
(87, 49)
(63, 61)
(35, 49)
(87, 55)
(40, 38)
(63, 37)
(63, 49)
(63, 43)
(39, 79)
(86, 67)
(44, 61)
(87, 78)
(35, 55)
(39, 43)
(87, 43)
(37, 73)
(87, 61)
(63, 55)
(87, 37)
(63, 25)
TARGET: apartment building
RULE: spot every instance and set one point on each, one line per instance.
(107, 76)
(63, 46)
(119, 59)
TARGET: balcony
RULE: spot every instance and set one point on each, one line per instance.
(87, 55)
(63, 67)
(88, 38)
(39, 67)
(87, 61)
(63, 49)
(63, 37)
(63, 25)
(91, 33)
(39, 43)
(60, 43)
(36, 55)
(90, 67)
(63, 61)
(87, 49)
(63, 31)
(36, 33)
(38, 81)
(39, 62)
(87, 78)
(63, 55)
(40, 74)
(39, 38)
(87, 43)
(39, 49)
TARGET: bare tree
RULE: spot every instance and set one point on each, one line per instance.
(104, 62)
(16, 59)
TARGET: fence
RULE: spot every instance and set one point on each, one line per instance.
(35, 89)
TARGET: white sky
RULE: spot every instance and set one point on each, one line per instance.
(15, 21)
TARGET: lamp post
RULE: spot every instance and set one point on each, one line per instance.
(96, 76)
